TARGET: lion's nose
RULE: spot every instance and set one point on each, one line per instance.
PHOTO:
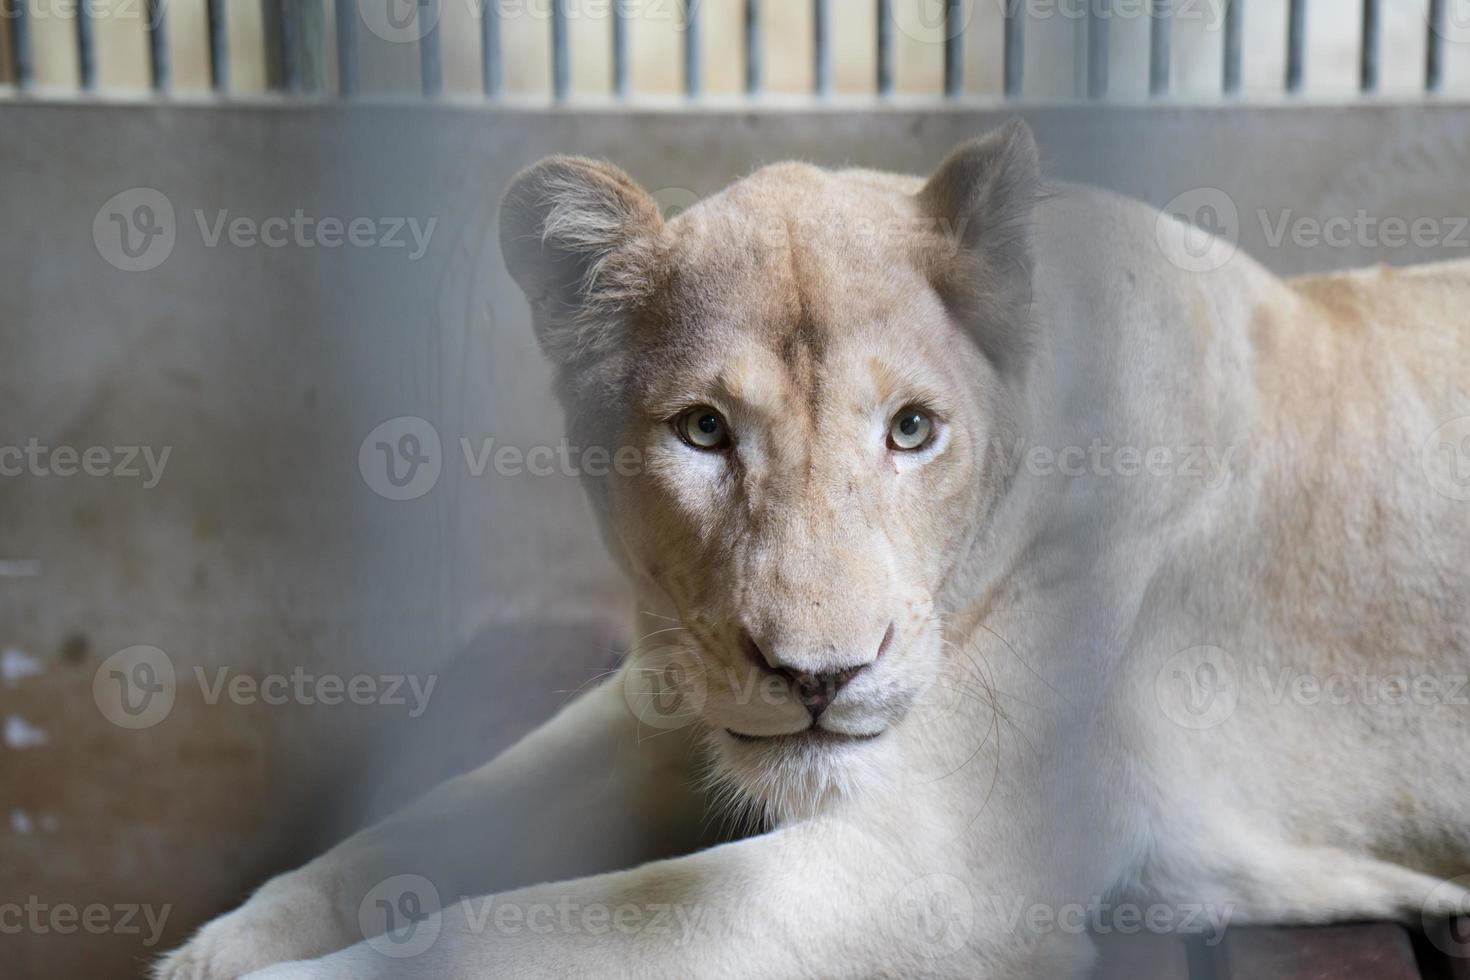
(814, 689)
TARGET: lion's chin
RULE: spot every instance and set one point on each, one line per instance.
(769, 779)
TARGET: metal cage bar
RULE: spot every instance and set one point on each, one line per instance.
(287, 27)
(885, 47)
(86, 47)
(1434, 49)
(1160, 46)
(311, 27)
(1015, 49)
(619, 48)
(1098, 21)
(158, 66)
(490, 75)
(219, 46)
(346, 47)
(431, 60)
(954, 47)
(561, 69)
(295, 59)
(1233, 17)
(822, 46)
(1296, 43)
(693, 69)
(752, 47)
(20, 44)
(1368, 65)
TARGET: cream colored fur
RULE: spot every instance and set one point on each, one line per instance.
(1052, 735)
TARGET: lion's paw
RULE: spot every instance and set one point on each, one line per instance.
(294, 926)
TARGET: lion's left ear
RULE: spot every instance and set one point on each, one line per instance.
(981, 201)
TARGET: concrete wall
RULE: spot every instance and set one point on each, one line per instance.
(265, 546)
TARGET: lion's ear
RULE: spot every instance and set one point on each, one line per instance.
(582, 240)
(980, 201)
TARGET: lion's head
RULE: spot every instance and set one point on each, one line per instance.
(810, 366)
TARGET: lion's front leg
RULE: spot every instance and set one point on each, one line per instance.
(522, 818)
(822, 899)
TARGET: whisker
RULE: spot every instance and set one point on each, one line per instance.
(649, 612)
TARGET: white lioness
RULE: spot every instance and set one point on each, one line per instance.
(1001, 565)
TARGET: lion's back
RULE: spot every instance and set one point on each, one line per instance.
(1415, 311)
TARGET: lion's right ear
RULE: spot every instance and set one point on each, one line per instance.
(583, 241)
(983, 197)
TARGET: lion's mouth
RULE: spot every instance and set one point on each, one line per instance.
(808, 735)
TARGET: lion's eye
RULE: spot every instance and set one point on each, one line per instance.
(703, 428)
(911, 429)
